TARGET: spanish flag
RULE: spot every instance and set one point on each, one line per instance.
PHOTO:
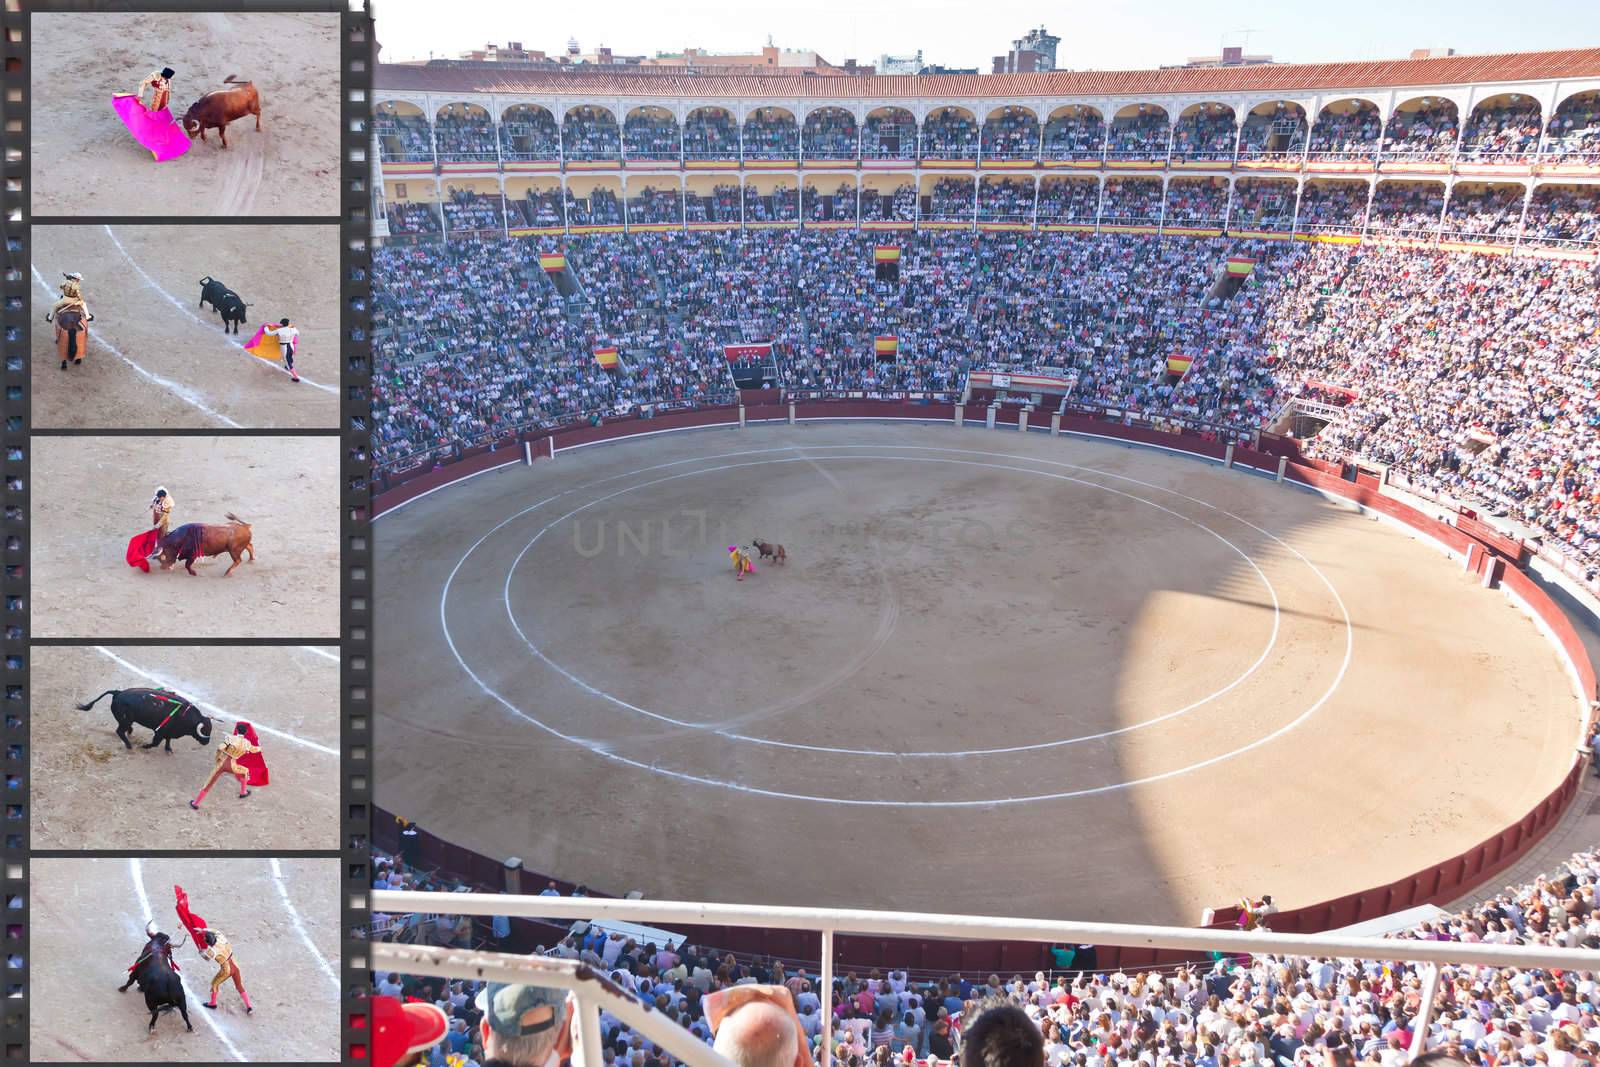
(1178, 363)
(554, 262)
(606, 357)
(885, 254)
(886, 347)
(1240, 266)
(264, 345)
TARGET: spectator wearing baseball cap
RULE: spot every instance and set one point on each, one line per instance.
(403, 1033)
(523, 1025)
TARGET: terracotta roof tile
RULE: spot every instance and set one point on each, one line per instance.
(666, 82)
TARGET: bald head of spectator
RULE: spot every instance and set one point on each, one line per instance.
(759, 1034)
(1002, 1035)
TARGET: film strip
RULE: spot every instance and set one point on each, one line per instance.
(358, 57)
(13, 219)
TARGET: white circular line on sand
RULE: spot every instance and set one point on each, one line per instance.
(212, 708)
(602, 750)
(1272, 639)
(299, 926)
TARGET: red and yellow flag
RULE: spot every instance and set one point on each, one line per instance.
(1178, 363)
(885, 254)
(606, 357)
(886, 346)
(1240, 266)
(553, 261)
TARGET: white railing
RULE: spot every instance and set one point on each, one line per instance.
(591, 990)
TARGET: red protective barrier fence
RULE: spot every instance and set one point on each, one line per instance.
(1438, 883)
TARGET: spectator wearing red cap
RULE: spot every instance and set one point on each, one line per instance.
(403, 1033)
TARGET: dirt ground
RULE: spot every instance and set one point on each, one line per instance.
(157, 360)
(89, 498)
(1051, 677)
(86, 163)
(85, 782)
(281, 916)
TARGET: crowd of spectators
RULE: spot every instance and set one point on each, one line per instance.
(651, 206)
(1333, 207)
(837, 206)
(899, 205)
(1205, 133)
(780, 205)
(1439, 350)
(403, 138)
(949, 133)
(1132, 200)
(1502, 133)
(830, 133)
(1406, 208)
(1197, 202)
(1011, 133)
(1562, 213)
(465, 135)
(1262, 204)
(889, 134)
(1280, 132)
(467, 211)
(1574, 132)
(537, 208)
(1075, 200)
(771, 133)
(413, 219)
(710, 133)
(1256, 1010)
(1428, 133)
(590, 133)
(1489, 212)
(602, 207)
(1005, 200)
(651, 134)
(1352, 134)
(529, 134)
(1075, 133)
(951, 200)
(1143, 135)
(721, 206)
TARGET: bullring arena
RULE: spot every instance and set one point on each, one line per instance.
(88, 921)
(1106, 678)
(156, 358)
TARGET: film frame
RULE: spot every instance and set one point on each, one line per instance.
(358, 50)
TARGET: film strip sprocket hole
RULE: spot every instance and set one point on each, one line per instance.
(358, 58)
(14, 582)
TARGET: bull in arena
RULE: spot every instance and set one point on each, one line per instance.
(767, 551)
(160, 710)
(224, 302)
(216, 109)
(156, 974)
(196, 540)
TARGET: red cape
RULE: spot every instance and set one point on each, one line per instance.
(140, 548)
(253, 762)
(191, 922)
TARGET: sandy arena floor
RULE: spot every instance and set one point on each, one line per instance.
(282, 917)
(89, 498)
(85, 782)
(157, 360)
(999, 674)
(86, 163)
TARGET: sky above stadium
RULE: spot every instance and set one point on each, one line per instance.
(1109, 35)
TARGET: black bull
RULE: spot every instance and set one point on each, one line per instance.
(223, 301)
(158, 979)
(165, 712)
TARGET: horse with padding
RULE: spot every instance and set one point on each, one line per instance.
(156, 974)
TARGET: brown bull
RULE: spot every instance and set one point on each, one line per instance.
(216, 110)
(196, 540)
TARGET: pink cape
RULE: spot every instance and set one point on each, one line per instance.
(156, 130)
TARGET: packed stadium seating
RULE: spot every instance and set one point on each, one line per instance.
(1245, 1010)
